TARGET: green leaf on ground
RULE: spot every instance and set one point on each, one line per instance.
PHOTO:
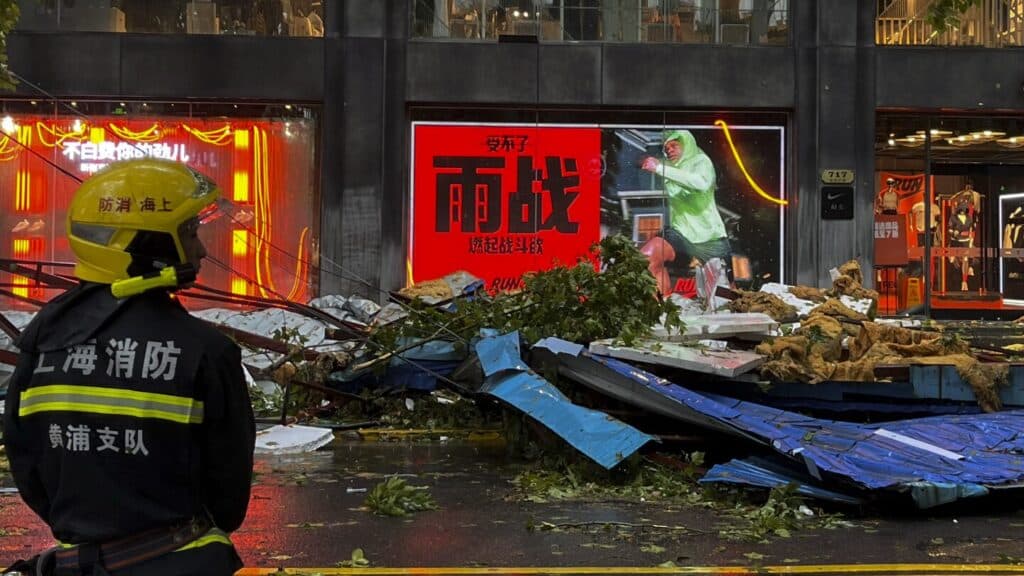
(652, 549)
(357, 560)
(394, 497)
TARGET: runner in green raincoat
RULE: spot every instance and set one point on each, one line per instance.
(696, 227)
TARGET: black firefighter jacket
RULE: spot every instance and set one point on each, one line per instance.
(123, 416)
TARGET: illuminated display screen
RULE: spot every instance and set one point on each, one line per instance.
(500, 200)
(265, 166)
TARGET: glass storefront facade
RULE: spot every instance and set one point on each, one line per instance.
(988, 23)
(961, 249)
(264, 158)
(502, 198)
(303, 18)
(661, 21)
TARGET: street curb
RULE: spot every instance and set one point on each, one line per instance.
(807, 570)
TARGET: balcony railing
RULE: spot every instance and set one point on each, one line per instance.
(235, 17)
(991, 23)
(636, 21)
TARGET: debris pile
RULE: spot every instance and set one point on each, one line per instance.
(833, 342)
(445, 354)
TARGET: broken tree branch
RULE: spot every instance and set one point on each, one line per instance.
(549, 525)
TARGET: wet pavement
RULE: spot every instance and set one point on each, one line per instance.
(307, 511)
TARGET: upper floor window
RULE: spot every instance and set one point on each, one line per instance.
(988, 23)
(238, 17)
(673, 21)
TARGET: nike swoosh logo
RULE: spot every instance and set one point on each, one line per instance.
(831, 197)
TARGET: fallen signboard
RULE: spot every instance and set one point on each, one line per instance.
(720, 326)
(726, 363)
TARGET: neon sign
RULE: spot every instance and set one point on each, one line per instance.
(95, 156)
(263, 165)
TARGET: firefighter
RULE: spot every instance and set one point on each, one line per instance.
(128, 422)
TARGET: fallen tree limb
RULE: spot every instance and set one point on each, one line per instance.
(549, 526)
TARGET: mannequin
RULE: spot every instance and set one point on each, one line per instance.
(888, 199)
(917, 221)
(1012, 231)
(965, 206)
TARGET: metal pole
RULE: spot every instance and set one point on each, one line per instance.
(927, 264)
(561, 19)
(718, 21)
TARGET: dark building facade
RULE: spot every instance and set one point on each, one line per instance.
(781, 96)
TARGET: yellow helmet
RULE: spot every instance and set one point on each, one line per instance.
(126, 220)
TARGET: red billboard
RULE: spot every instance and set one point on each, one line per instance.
(499, 201)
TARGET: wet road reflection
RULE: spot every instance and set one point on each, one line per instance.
(307, 510)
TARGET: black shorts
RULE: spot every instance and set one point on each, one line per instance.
(718, 248)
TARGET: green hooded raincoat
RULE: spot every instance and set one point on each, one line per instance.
(690, 187)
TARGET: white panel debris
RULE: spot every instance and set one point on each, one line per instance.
(364, 310)
(333, 305)
(292, 439)
(720, 326)
(271, 322)
(727, 363)
(20, 321)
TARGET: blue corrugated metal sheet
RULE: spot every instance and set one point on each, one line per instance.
(756, 472)
(935, 459)
(604, 439)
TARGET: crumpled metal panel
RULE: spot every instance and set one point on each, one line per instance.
(268, 321)
(20, 321)
(756, 472)
(969, 453)
(600, 437)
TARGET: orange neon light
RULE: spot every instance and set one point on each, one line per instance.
(22, 191)
(241, 190)
(239, 242)
(258, 212)
(25, 135)
(241, 139)
(218, 137)
(239, 286)
(301, 267)
(8, 149)
(59, 136)
(263, 216)
(151, 134)
(21, 281)
(21, 247)
(736, 155)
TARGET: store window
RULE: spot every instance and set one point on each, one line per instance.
(673, 21)
(303, 18)
(262, 157)
(988, 23)
(964, 252)
(703, 197)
